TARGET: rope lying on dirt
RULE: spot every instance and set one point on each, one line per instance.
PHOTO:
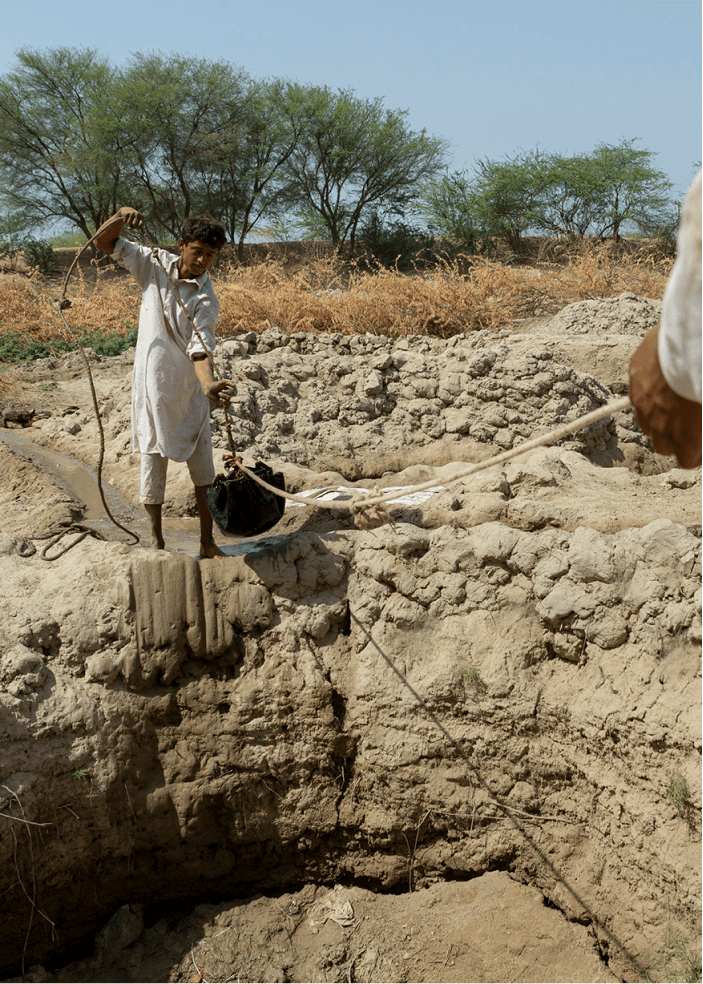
(370, 510)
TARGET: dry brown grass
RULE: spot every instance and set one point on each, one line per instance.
(9, 382)
(327, 296)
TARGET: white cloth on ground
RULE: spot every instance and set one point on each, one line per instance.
(679, 342)
(169, 409)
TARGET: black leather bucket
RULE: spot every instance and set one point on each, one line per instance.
(240, 506)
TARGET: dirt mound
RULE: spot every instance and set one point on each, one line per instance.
(623, 315)
(505, 682)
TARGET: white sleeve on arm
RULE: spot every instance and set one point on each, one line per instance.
(136, 259)
(679, 344)
(204, 318)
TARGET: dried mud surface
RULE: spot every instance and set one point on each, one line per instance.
(466, 747)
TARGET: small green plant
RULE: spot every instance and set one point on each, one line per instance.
(14, 349)
(677, 794)
(49, 386)
(105, 344)
(470, 681)
(40, 255)
(674, 962)
(80, 774)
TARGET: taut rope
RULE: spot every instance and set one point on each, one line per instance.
(370, 510)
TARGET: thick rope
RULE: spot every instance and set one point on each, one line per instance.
(369, 510)
(64, 303)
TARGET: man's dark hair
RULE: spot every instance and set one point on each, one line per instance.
(205, 229)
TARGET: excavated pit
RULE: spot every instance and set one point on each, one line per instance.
(482, 725)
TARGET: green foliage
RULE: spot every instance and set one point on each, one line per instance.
(598, 193)
(80, 774)
(16, 349)
(470, 681)
(352, 157)
(675, 962)
(105, 344)
(449, 207)
(40, 255)
(174, 135)
(59, 138)
(394, 244)
(677, 794)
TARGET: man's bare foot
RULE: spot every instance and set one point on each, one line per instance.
(211, 550)
(157, 542)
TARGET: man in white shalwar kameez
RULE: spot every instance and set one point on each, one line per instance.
(173, 385)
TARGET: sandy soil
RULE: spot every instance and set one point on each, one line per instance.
(506, 923)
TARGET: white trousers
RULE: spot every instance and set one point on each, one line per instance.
(152, 490)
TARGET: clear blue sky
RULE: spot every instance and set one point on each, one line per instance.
(492, 77)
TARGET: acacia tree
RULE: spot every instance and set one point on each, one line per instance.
(183, 113)
(446, 204)
(353, 156)
(244, 178)
(60, 150)
(578, 195)
(628, 188)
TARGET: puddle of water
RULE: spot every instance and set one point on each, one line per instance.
(182, 535)
(79, 481)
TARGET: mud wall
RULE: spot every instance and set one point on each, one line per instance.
(391, 707)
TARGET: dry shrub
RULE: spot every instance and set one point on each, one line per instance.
(602, 269)
(327, 295)
(454, 297)
(22, 309)
(9, 382)
(107, 305)
(388, 302)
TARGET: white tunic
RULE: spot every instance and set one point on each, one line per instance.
(679, 343)
(169, 408)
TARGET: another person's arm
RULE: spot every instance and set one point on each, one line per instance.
(665, 371)
(672, 421)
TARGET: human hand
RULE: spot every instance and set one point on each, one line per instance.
(217, 392)
(131, 217)
(672, 421)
